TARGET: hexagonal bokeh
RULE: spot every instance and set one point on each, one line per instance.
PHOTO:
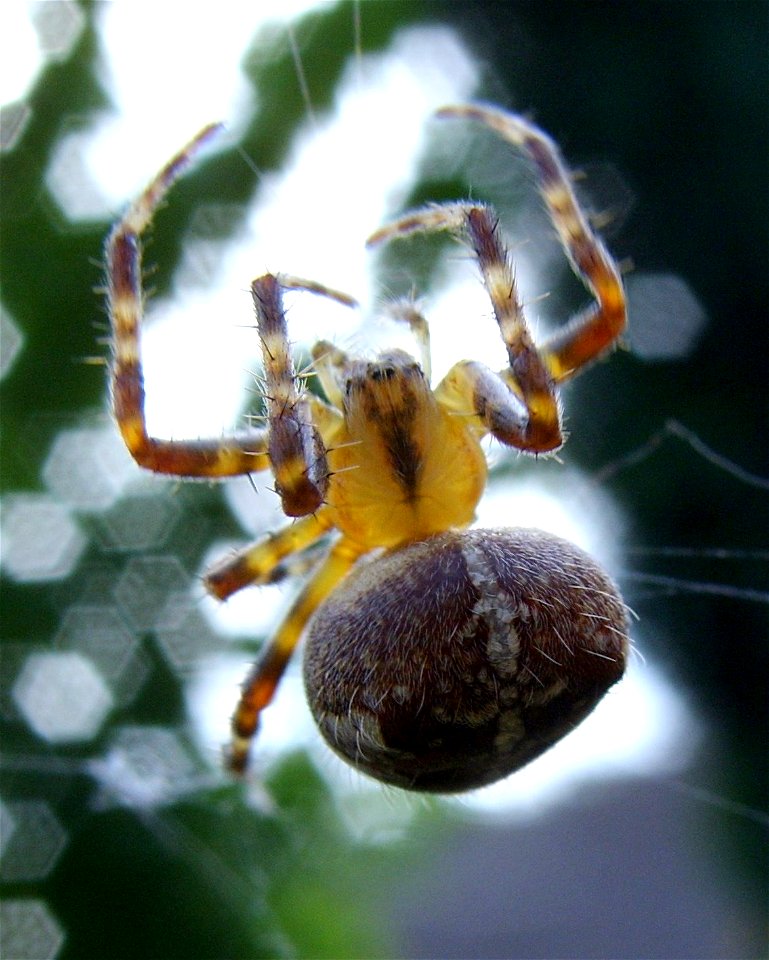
(62, 696)
(41, 540)
(88, 467)
(145, 586)
(668, 316)
(14, 118)
(99, 632)
(138, 522)
(11, 338)
(36, 844)
(7, 827)
(28, 931)
(183, 634)
(41, 32)
(13, 656)
(71, 183)
(145, 767)
(58, 26)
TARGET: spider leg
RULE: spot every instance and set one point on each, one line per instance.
(260, 685)
(289, 282)
(329, 363)
(245, 451)
(254, 564)
(404, 311)
(295, 445)
(472, 390)
(536, 428)
(592, 332)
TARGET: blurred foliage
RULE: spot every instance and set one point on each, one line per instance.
(213, 878)
(674, 96)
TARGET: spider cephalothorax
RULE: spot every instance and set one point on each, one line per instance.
(448, 656)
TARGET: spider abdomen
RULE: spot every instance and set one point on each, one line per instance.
(451, 662)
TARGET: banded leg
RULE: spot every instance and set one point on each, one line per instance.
(329, 362)
(538, 427)
(471, 389)
(260, 685)
(296, 449)
(592, 332)
(245, 451)
(404, 311)
(254, 564)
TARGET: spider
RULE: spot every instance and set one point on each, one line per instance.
(437, 657)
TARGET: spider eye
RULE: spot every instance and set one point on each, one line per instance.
(452, 662)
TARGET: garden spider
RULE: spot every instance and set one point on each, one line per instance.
(449, 656)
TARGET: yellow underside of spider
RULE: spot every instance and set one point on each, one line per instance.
(390, 485)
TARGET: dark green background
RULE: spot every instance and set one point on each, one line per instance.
(674, 96)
